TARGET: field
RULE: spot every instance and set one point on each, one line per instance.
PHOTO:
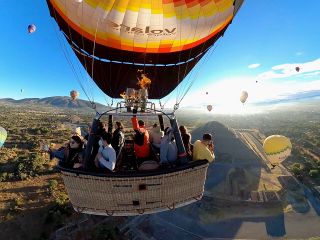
(33, 201)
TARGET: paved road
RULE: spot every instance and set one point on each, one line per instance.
(193, 222)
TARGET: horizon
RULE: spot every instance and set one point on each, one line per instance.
(259, 53)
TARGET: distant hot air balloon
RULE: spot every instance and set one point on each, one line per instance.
(297, 69)
(209, 107)
(3, 136)
(74, 95)
(32, 28)
(21, 90)
(277, 148)
(243, 96)
(206, 93)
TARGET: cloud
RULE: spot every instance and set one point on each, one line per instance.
(289, 70)
(224, 93)
(299, 53)
(254, 65)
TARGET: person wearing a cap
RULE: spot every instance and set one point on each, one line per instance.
(204, 149)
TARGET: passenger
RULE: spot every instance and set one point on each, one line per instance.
(86, 137)
(186, 139)
(106, 157)
(155, 136)
(168, 148)
(141, 139)
(118, 138)
(204, 149)
(71, 154)
(96, 142)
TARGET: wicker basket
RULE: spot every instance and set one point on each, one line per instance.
(120, 194)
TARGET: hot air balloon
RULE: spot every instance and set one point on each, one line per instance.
(161, 41)
(122, 37)
(32, 28)
(277, 148)
(74, 95)
(206, 93)
(3, 136)
(297, 69)
(209, 107)
(243, 96)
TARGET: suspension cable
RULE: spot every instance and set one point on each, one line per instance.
(65, 53)
(205, 58)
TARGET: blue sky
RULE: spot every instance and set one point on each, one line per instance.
(265, 42)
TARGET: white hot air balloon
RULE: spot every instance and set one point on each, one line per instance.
(243, 96)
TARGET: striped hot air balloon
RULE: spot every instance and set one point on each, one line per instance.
(277, 148)
(166, 38)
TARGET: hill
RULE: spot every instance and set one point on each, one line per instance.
(56, 101)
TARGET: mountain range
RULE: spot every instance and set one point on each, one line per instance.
(56, 101)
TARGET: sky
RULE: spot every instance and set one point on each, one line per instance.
(259, 54)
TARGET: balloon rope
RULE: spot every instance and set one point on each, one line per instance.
(79, 68)
(190, 51)
(89, 83)
(93, 57)
(94, 47)
(64, 50)
(205, 59)
(203, 62)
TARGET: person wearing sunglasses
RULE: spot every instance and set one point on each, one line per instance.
(71, 154)
(204, 149)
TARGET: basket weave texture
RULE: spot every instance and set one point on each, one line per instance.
(125, 196)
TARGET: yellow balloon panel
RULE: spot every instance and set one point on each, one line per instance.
(277, 158)
(153, 26)
(277, 148)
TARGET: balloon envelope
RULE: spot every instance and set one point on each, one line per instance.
(165, 38)
(209, 107)
(297, 69)
(3, 136)
(32, 28)
(243, 96)
(277, 148)
(74, 94)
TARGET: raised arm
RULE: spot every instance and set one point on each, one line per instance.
(134, 121)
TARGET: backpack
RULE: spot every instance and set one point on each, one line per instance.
(139, 137)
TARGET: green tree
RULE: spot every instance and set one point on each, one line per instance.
(314, 173)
